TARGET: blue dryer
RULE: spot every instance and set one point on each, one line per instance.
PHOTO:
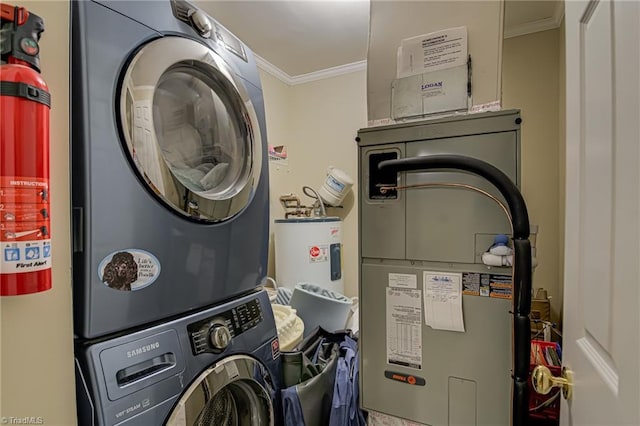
(218, 367)
(169, 164)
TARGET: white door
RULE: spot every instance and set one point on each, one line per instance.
(602, 256)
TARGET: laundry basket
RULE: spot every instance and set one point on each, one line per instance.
(318, 306)
(290, 327)
(272, 289)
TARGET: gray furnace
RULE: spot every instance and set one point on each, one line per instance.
(435, 322)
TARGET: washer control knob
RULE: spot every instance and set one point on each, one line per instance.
(200, 22)
(219, 337)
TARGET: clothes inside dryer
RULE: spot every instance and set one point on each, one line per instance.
(202, 149)
(188, 135)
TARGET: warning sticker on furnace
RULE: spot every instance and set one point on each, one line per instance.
(500, 286)
(488, 285)
(471, 283)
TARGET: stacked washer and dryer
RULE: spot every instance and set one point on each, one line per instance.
(170, 220)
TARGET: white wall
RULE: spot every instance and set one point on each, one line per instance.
(37, 376)
(531, 82)
(562, 161)
(318, 121)
(393, 21)
(277, 103)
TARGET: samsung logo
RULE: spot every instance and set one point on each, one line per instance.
(437, 84)
(143, 349)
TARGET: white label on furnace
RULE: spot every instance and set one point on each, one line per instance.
(404, 327)
(443, 300)
(403, 280)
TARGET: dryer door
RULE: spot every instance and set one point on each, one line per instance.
(190, 129)
(237, 391)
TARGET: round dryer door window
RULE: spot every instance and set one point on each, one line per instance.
(190, 129)
(237, 391)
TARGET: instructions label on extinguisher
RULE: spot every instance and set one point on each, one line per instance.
(25, 224)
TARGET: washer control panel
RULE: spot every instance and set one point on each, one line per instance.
(216, 333)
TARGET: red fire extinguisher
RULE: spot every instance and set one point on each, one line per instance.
(25, 222)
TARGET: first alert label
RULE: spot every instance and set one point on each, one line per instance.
(25, 256)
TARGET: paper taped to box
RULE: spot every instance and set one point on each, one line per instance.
(432, 52)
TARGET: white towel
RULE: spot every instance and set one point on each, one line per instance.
(215, 176)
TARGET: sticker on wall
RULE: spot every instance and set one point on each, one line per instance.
(278, 154)
(129, 270)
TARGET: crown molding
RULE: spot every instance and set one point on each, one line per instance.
(267, 66)
(527, 28)
(330, 72)
(309, 77)
(540, 25)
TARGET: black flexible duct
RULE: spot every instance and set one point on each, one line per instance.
(521, 260)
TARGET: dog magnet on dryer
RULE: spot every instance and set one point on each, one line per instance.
(129, 270)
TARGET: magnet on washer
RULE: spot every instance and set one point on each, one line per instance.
(129, 269)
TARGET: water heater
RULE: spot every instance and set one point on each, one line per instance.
(309, 250)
